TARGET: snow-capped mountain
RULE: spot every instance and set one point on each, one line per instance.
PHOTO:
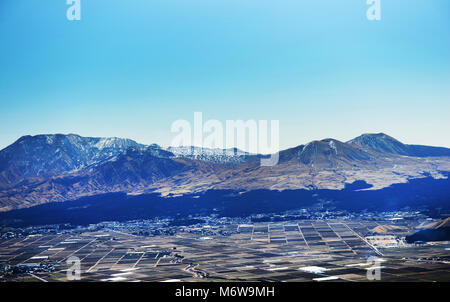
(54, 154)
(54, 168)
(232, 155)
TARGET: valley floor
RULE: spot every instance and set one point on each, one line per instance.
(302, 250)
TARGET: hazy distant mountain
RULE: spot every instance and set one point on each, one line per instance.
(47, 168)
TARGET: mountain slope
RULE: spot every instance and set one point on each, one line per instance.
(50, 155)
(329, 152)
(428, 151)
(383, 143)
(438, 224)
(54, 168)
(439, 231)
(131, 171)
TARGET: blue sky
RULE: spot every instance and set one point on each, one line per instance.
(130, 68)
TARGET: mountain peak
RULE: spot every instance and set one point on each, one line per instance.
(94, 142)
(379, 135)
(58, 167)
(380, 142)
(328, 150)
(45, 155)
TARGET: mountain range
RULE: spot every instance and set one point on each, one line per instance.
(56, 167)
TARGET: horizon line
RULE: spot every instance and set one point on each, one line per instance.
(163, 146)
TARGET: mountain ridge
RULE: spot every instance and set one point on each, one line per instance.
(54, 168)
(381, 142)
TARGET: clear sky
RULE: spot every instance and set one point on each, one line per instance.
(130, 68)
